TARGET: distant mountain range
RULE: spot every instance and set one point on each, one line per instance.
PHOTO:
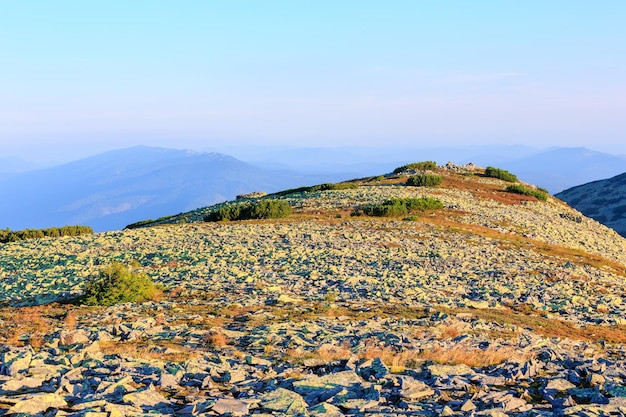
(114, 189)
(111, 190)
(604, 201)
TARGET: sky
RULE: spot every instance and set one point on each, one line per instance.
(81, 77)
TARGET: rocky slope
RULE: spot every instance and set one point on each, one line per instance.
(498, 304)
(603, 200)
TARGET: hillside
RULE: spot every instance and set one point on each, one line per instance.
(110, 190)
(603, 200)
(496, 304)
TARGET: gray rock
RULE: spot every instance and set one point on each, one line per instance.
(559, 384)
(373, 370)
(232, 407)
(73, 337)
(450, 370)
(148, 400)
(38, 404)
(468, 406)
(326, 410)
(284, 401)
(16, 363)
(22, 384)
(413, 389)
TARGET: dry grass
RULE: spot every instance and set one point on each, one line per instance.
(27, 325)
(549, 327)
(216, 340)
(458, 354)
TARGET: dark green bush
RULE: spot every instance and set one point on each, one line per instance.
(520, 189)
(500, 174)
(263, 209)
(117, 284)
(8, 235)
(424, 180)
(397, 207)
(417, 166)
(319, 187)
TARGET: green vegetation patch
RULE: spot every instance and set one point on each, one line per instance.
(8, 235)
(398, 207)
(501, 174)
(264, 209)
(417, 166)
(319, 187)
(520, 189)
(424, 180)
(117, 284)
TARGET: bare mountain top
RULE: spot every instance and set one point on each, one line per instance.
(603, 200)
(476, 300)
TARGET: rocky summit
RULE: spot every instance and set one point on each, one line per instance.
(489, 303)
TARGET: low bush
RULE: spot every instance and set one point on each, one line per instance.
(417, 166)
(520, 189)
(397, 207)
(117, 284)
(501, 174)
(263, 209)
(424, 180)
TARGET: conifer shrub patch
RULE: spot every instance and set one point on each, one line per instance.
(117, 284)
(417, 166)
(424, 180)
(8, 235)
(398, 207)
(320, 187)
(501, 174)
(263, 209)
(520, 189)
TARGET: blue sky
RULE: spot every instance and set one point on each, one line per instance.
(85, 76)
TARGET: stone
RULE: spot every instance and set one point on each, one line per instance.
(38, 404)
(413, 389)
(446, 411)
(16, 364)
(284, 401)
(73, 337)
(22, 384)
(450, 370)
(375, 370)
(326, 410)
(148, 400)
(559, 384)
(231, 406)
(468, 406)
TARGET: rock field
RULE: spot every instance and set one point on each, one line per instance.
(496, 305)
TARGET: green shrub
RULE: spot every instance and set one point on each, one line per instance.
(117, 284)
(319, 187)
(417, 166)
(500, 174)
(263, 209)
(397, 207)
(8, 235)
(424, 180)
(520, 189)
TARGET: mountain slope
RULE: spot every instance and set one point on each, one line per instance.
(111, 190)
(447, 311)
(603, 200)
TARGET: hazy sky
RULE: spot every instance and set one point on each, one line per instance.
(92, 75)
